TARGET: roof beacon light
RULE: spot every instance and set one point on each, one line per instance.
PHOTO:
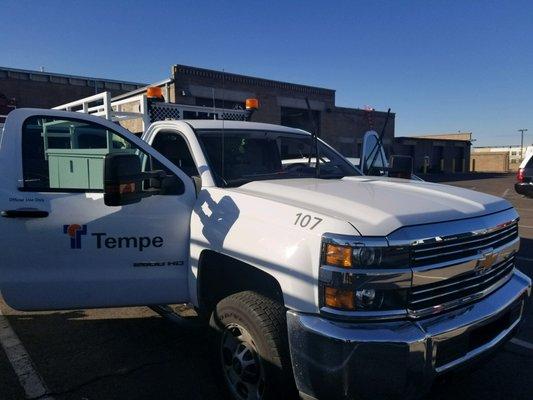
(252, 104)
(154, 92)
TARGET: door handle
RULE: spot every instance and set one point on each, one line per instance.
(24, 213)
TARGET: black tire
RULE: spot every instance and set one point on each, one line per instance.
(265, 340)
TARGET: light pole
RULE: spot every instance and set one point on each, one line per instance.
(522, 143)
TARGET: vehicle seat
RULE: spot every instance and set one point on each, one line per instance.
(174, 147)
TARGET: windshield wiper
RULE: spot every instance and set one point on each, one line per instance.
(315, 138)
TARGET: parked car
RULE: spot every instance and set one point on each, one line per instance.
(524, 177)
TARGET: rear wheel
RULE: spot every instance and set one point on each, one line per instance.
(249, 342)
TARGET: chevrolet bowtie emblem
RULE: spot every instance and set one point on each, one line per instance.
(486, 260)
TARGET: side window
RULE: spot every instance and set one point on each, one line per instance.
(174, 147)
(68, 154)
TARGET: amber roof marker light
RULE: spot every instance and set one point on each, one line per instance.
(154, 92)
(251, 106)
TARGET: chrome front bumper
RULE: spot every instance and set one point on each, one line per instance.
(341, 360)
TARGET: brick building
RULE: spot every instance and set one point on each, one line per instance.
(448, 152)
(490, 161)
(280, 102)
(498, 158)
(6, 106)
(24, 88)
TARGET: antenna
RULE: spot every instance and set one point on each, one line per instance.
(222, 114)
(315, 137)
(214, 105)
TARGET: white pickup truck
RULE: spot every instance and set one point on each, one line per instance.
(331, 287)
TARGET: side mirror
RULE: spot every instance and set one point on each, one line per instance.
(401, 167)
(122, 179)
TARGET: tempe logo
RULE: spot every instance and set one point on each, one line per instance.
(104, 241)
(75, 232)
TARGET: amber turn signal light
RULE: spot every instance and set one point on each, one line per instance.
(339, 298)
(340, 256)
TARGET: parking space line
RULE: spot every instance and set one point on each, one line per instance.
(20, 360)
(505, 193)
(522, 343)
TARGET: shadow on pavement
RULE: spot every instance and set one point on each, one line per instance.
(506, 373)
(88, 354)
(502, 376)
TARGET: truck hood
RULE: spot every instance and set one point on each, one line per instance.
(377, 206)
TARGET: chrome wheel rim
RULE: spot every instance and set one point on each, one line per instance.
(241, 363)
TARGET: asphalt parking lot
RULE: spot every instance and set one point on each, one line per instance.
(135, 354)
(509, 375)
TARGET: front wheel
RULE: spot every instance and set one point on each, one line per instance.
(249, 341)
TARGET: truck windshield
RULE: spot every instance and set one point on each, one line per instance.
(237, 157)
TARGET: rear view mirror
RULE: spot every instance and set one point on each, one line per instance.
(401, 167)
(122, 179)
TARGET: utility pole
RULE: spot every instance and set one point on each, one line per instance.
(522, 143)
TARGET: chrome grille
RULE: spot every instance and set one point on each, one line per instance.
(468, 287)
(440, 250)
(456, 263)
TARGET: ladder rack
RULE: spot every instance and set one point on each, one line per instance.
(139, 107)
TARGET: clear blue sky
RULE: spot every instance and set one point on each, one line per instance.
(442, 66)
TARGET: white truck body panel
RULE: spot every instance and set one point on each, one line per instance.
(262, 232)
(377, 206)
(41, 270)
(256, 230)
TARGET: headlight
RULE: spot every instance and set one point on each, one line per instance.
(363, 275)
(360, 255)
